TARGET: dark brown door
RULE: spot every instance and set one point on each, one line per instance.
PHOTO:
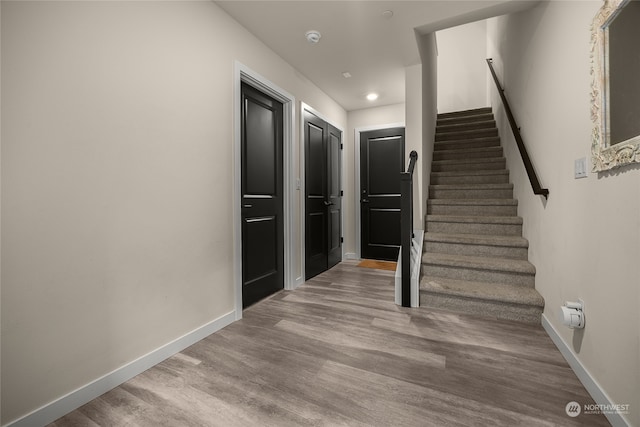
(262, 201)
(323, 198)
(381, 162)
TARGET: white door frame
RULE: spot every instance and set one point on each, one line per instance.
(303, 202)
(356, 139)
(244, 74)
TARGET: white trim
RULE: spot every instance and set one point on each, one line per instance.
(351, 255)
(356, 141)
(245, 74)
(65, 404)
(416, 252)
(595, 390)
(304, 107)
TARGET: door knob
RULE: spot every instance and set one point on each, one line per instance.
(328, 203)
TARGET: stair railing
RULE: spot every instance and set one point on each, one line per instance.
(406, 228)
(533, 178)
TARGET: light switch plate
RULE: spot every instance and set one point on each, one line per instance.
(580, 168)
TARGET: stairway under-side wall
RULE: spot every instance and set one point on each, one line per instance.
(475, 259)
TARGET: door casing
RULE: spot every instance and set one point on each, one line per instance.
(246, 75)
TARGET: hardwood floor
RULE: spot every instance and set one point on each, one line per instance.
(338, 352)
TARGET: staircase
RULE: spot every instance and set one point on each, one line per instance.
(475, 258)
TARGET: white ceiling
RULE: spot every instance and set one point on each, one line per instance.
(358, 38)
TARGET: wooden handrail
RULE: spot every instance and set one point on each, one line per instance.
(533, 178)
(406, 227)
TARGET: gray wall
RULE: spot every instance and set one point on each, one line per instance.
(585, 240)
(117, 178)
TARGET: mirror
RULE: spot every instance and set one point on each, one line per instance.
(615, 91)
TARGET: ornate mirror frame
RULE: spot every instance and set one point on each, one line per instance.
(605, 156)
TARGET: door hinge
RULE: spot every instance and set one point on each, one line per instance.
(341, 146)
(341, 193)
(342, 240)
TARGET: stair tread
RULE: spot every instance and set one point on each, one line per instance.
(479, 262)
(467, 161)
(471, 186)
(497, 292)
(477, 124)
(478, 239)
(462, 113)
(473, 202)
(469, 150)
(477, 219)
(472, 173)
(477, 133)
(478, 117)
(466, 141)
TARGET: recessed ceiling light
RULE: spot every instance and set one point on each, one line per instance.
(313, 36)
(372, 96)
(346, 75)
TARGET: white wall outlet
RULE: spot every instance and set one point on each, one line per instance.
(580, 168)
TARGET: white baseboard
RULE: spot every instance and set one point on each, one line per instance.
(592, 386)
(299, 281)
(65, 404)
(351, 255)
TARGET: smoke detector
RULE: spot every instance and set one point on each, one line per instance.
(313, 36)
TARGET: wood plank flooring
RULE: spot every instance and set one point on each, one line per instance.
(338, 352)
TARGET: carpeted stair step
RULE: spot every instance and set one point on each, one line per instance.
(492, 163)
(496, 176)
(465, 113)
(483, 269)
(468, 153)
(466, 125)
(466, 134)
(473, 207)
(471, 191)
(464, 144)
(482, 117)
(475, 259)
(502, 301)
(513, 247)
(470, 177)
(475, 224)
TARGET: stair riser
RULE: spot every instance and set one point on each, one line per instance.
(470, 125)
(461, 167)
(481, 210)
(474, 228)
(518, 313)
(465, 119)
(464, 145)
(471, 194)
(476, 250)
(469, 179)
(466, 273)
(453, 136)
(467, 154)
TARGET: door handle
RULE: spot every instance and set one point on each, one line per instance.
(247, 206)
(365, 200)
(328, 203)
